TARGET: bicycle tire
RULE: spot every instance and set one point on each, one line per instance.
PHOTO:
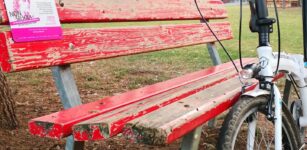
(240, 112)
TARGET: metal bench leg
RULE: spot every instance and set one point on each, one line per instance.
(215, 57)
(71, 144)
(191, 140)
(69, 95)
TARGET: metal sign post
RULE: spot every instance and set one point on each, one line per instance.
(304, 10)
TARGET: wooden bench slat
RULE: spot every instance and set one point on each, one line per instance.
(111, 123)
(132, 10)
(59, 124)
(79, 45)
(166, 124)
(173, 121)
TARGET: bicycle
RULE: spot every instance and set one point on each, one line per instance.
(277, 127)
(284, 127)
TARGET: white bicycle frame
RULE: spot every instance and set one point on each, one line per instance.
(291, 64)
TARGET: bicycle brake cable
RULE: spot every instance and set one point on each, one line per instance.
(278, 33)
(240, 36)
(219, 41)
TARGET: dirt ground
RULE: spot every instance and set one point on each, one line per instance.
(35, 95)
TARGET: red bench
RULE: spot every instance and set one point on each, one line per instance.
(194, 98)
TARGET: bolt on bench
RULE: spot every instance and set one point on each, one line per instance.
(156, 114)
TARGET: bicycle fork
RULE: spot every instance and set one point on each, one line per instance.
(252, 125)
(266, 59)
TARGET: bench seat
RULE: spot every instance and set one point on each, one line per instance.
(179, 118)
(199, 95)
(116, 110)
(173, 121)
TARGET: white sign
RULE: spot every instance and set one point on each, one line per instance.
(33, 20)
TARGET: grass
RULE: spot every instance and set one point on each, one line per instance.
(291, 31)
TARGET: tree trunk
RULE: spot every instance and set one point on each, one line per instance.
(8, 119)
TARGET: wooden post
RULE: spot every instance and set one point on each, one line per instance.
(69, 95)
(8, 119)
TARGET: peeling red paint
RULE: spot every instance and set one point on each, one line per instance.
(132, 10)
(192, 124)
(93, 44)
(64, 120)
(52, 131)
(165, 131)
(117, 126)
(4, 54)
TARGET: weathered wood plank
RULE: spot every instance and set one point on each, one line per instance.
(191, 140)
(132, 10)
(112, 123)
(80, 45)
(183, 116)
(59, 124)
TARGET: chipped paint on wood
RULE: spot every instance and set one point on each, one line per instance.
(64, 120)
(92, 44)
(182, 117)
(3, 14)
(154, 129)
(4, 54)
(115, 120)
(87, 131)
(132, 10)
(45, 129)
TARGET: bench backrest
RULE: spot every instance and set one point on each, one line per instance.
(86, 44)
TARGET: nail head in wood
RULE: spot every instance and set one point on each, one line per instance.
(61, 3)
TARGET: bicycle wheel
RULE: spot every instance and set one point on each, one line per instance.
(234, 132)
